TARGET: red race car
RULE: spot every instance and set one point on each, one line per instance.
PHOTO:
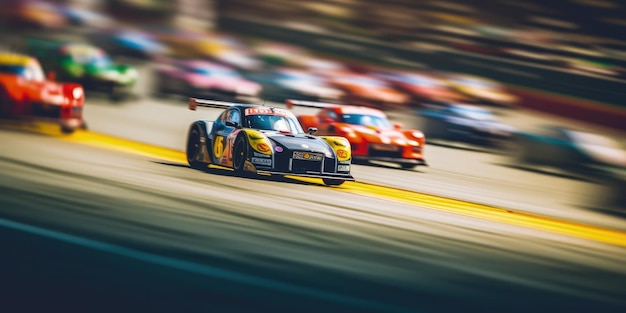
(371, 135)
(26, 93)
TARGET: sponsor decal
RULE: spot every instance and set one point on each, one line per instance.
(263, 147)
(343, 168)
(342, 153)
(279, 149)
(261, 161)
(266, 111)
(299, 155)
(261, 155)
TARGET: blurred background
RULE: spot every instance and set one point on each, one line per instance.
(516, 60)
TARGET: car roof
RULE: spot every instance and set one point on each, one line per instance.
(7, 58)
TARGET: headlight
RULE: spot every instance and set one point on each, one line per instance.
(111, 75)
(131, 73)
(417, 134)
(77, 92)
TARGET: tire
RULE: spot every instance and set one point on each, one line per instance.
(408, 166)
(193, 147)
(332, 181)
(240, 154)
(67, 130)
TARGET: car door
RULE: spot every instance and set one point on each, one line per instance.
(224, 136)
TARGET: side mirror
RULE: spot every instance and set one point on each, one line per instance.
(232, 124)
(311, 130)
(397, 126)
(52, 76)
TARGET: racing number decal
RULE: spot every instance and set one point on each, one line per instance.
(218, 147)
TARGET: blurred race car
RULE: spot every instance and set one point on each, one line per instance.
(200, 78)
(80, 16)
(204, 45)
(372, 136)
(285, 83)
(580, 152)
(131, 43)
(423, 88)
(265, 140)
(366, 90)
(467, 123)
(32, 14)
(481, 90)
(84, 63)
(26, 93)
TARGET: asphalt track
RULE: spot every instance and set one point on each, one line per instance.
(89, 228)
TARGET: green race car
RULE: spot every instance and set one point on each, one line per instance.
(86, 64)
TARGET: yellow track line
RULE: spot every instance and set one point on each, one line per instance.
(398, 195)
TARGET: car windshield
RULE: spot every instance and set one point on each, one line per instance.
(214, 72)
(27, 72)
(299, 77)
(421, 80)
(91, 57)
(593, 139)
(473, 113)
(475, 83)
(274, 122)
(365, 81)
(12, 69)
(366, 120)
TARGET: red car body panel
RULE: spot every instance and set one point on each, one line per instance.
(26, 93)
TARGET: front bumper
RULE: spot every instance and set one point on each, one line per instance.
(346, 177)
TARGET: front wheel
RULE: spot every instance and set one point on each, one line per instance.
(407, 166)
(240, 154)
(193, 148)
(332, 181)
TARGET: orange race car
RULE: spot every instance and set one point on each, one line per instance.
(371, 135)
(26, 93)
(361, 89)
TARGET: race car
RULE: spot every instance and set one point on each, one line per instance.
(86, 64)
(26, 93)
(367, 90)
(579, 152)
(199, 78)
(371, 135)
(280, 84)
(481, 90)
(466, 123)
(264, 140)
(423, 88)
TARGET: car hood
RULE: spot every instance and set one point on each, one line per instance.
(378, 135)
(300, 142)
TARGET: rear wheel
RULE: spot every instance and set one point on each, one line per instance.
(240, 154)
(193, 148)
(332, 181)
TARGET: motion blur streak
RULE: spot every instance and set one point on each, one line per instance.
(413, 198)
(489, 213)
(197, 268)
